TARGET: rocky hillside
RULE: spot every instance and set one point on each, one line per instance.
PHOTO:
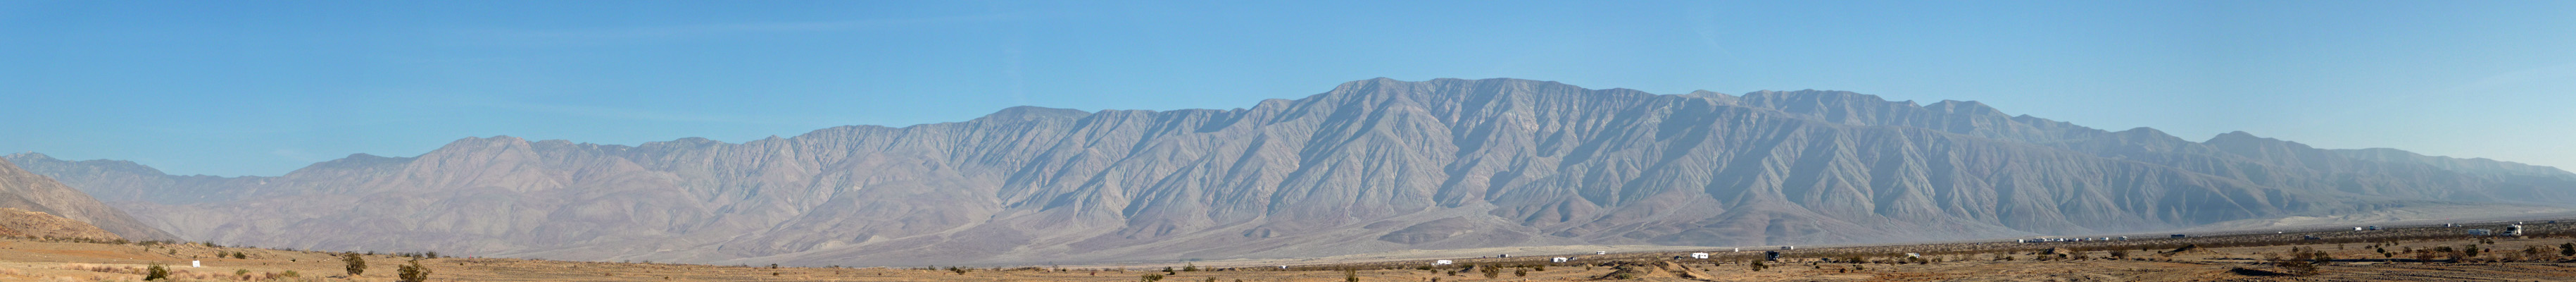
(23, 223)
(26, 192)
(1369, 166)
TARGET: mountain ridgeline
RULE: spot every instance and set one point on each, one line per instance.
(1369, 166)
(32, 205)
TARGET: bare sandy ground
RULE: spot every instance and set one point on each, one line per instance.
(2353, 256)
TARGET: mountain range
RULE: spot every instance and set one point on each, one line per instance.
(1369, 166)
(33, 205)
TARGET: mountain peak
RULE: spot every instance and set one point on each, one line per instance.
(29, 155)
(1964, 107)
(2239, 135)
(1027, 113)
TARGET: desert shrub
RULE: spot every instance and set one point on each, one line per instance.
(2566, 249)
(1350, 276)
(1538, 268)
(156, 272)
(2120, 254)
(1151, 277)
(354, 264)
(1491, 272)
(2471, 251)
(1189, 267)
(1758, 265)
(414, 272)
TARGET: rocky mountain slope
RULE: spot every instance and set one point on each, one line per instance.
(23, 191)
(23, 223)
(1369, 166)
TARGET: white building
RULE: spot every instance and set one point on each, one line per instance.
(1699, 255)
(1558, 259)
(1441, 262)
(2513, 230)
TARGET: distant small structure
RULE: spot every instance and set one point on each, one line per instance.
(2180, 236)
(1739, 249)
(1788, 247)
(1442, 262)
(2513, 230)
(1559, 259)
(2450, 225)
(1503, 255)
(195, 264)
(1699, 255)
(2356, 229)
(1771, 255)
(2373, 227)
(1600, 252)
(2481, 232)
(1913, 255)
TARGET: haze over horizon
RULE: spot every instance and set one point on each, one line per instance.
(237, 89)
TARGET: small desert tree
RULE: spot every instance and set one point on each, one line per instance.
(2566, 249)
(1491, 272)
(413, 272)
(354, 263)
(1151, 277)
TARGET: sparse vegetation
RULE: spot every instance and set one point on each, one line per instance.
(413, 272)
(355, 264)
(157, 272)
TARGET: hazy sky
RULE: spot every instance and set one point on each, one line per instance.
(264, 87)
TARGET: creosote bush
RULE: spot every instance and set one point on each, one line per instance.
(354, 263)
(156, 272)
(413, 272)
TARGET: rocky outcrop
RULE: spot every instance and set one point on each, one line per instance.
(1369, 166)
(23, 223)
(24, 192)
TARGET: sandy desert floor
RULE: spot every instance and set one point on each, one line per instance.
(2412, 254)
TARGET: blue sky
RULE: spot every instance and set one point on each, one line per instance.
(265, 87)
